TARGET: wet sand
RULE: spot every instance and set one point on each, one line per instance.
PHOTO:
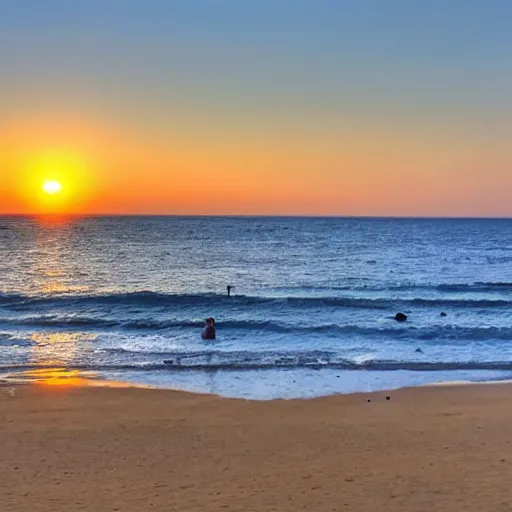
(128, 449)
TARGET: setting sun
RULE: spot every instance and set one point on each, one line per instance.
(52, 187)
(53, 181)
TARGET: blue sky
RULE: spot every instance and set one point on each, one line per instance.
(264, 54)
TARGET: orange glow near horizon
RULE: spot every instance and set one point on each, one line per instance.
(105, 169)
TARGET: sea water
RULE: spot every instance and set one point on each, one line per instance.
(311, 312)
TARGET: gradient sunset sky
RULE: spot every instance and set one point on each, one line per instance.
(342, 107)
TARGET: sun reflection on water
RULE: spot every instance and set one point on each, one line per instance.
(58, 376)
(55, 352)
(60, 345)
(53, 270)
(62, 377)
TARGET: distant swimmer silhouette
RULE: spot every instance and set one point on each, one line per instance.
(209, 329)
(229, 287)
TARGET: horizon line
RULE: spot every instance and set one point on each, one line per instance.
(298, 216)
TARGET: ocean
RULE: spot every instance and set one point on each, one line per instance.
(311, 311)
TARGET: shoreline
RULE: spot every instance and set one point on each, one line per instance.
(60, 377)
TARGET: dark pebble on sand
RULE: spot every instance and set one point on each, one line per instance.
(368, 400)
(388, 398)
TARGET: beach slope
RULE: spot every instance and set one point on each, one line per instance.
(129, 449)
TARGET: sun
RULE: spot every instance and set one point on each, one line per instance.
(52, 187)
(55, 181)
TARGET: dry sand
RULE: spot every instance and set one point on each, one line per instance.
(99, 449)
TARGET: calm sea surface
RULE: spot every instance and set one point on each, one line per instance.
(312, 309)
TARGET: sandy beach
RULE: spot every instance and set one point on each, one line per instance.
(132, 449)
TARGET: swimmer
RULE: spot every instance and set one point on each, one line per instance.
(209, 329)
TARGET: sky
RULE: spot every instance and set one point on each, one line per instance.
(264, 107)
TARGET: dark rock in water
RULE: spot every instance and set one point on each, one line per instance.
(400, 317)
(419, 350)
(443, 313)
(388, 398)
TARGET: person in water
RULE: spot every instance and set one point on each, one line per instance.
(209, 329)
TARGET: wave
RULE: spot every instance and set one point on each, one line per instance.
(394, 331)
(149, 299)
(162, 299)
(475, 287)
(12, 341)
(499, 259)
(284, 363)
(132, 298)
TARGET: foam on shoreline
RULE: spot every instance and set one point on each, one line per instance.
(254, 386)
